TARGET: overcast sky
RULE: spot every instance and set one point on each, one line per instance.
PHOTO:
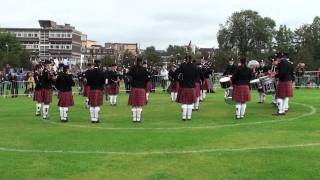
(152, 22)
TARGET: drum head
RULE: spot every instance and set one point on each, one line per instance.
(255, 81)
(225, 79)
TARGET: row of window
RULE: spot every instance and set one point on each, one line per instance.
(60, 35)
(27, 34)
(36, 35)
(55, 46)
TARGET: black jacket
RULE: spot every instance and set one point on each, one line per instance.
(230, 69)
(95, 79)
(64, 82)
(188, 73)
(242, 76)
(139, 76)
(285, 71)
(46, 79)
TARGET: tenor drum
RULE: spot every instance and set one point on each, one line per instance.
(225, 82)
(228, 96)
(269, 86)
(255, 84)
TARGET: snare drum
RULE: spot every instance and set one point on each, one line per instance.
(228, 96)
(255, 84)
(225, 82)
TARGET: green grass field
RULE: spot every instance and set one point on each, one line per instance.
(211, 146)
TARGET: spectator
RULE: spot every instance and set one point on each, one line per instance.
(318, 77)
(14, 86)
(299, 75)
(30, 84)
(1, 84)
(126, 80)
(154, 78)
(164, 74)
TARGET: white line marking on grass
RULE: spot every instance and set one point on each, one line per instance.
(313, 110)
(162, 152)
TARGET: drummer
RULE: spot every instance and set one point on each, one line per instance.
(230, 69)
(241, 91)
(261, 71)
(285, 74)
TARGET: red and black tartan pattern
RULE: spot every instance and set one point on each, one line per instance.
(197, 89)
(137, 97)
(284, 89)
(206, 85)
(174, 86)
(86, 90)
(113, 89)
(37, 96)
(95, 98)
(186, 96)
(149, 87)
(241, 93)
(65, 99)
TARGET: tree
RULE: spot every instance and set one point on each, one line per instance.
(12, 52)
(108, 60)
(127, 59)
(307, 44)
(152, 56)
(284, 39)
(246, 32)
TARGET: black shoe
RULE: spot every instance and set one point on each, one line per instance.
(278, 114)
(38, 114)
(93, 122)
(183, 119)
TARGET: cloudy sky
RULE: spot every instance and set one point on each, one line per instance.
(152, 22)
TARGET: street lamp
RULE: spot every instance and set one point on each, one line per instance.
(7, 49)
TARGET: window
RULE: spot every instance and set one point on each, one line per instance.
(57, 46)
(67, 47)
(69, 35)
(58, 35)
(19, 34)
(51, 47)
(29, 35)
(62, 35)
(35, 35)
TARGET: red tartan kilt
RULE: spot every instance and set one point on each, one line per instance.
(186, 96)
(241, 93)
(95, 98)
(65, 99)
(197, 90)
(47, 96)
(113, 89)
(86, 91)
(149, 87)
(37, 96)
(174, 87)
(137, 97)
(206, 85)
(284, 89)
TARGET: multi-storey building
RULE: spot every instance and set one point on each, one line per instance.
(120, 48)
(50, 41)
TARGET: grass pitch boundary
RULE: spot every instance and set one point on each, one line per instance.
(312, 111)
(290, 146)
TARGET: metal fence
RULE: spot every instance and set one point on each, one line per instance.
(311, 79)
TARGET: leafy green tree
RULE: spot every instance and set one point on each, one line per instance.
(246, 32)
(127, 59)
(151, 55)
(12, 52)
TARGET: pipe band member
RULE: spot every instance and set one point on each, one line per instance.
(137, 98)
(241, 90)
